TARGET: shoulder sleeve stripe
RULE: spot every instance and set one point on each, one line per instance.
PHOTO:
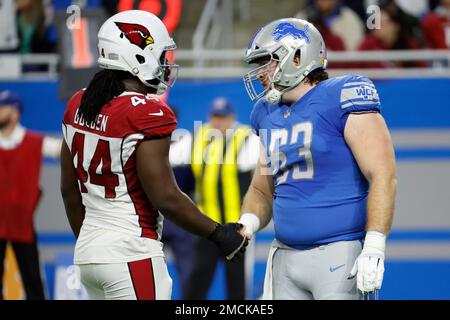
(359, 83)
(364, 104)
(359, 101)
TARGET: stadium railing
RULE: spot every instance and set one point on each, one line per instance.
(228, 63)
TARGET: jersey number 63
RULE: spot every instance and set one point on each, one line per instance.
(279, 160)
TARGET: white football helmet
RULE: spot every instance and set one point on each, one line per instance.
(137, 41)
(281, 40)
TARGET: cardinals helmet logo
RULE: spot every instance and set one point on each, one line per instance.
(136, 34)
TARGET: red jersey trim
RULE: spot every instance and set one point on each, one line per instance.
(147, 214)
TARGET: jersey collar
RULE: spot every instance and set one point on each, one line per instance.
(130, 93)
(14, 139)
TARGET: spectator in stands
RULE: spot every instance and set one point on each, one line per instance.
(436, 26)
(391, 36)
(333, 42)
(9, 41)
(434, 4)
(35, 30)
(341, 20)
(408, 22)
(358, 6)
(21, 153)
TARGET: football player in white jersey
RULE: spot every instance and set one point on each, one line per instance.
(116, 179)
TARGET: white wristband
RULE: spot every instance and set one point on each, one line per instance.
(376, 240)
(251, 222)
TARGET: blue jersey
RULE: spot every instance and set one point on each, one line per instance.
(320, 194)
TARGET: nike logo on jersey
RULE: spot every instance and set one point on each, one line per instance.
(336, 268)
(160, 113)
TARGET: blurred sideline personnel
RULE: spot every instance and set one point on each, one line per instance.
(224, 153)
(115, 175)
(21, 153)
(327, 173)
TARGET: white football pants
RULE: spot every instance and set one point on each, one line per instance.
(146, 279)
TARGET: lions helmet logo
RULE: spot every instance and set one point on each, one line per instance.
(285, 29)
(136, 34)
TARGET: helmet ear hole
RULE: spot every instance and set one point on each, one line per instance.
(140, 59)
(297, 57)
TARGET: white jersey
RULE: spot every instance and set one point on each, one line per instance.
(120, 224)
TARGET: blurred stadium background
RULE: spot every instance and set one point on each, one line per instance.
(411, 72)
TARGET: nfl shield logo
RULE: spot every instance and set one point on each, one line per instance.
(287, 113)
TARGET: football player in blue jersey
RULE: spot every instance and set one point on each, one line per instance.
(327, 174)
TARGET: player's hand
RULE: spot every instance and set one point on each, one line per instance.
(245, 233)
(229, 240)
(369, 266)
(251, 223)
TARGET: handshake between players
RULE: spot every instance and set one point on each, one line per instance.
(230, 240)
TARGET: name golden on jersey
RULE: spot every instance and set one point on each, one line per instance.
(99, 124)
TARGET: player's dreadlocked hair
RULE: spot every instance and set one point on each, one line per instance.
(105, 85)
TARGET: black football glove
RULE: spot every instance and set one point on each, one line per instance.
(229, 240)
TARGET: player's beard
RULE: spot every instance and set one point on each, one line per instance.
(267, 84)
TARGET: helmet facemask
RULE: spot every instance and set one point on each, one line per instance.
(165, 75)
(281, 54)
(260, 74)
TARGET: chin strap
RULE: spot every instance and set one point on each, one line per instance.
(162, 88)
(273, 96)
